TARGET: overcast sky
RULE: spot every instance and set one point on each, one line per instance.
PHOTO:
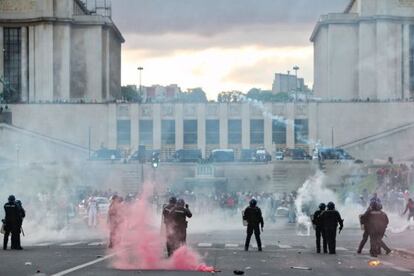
(219, 45)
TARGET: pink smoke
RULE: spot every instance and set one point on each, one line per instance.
(139, 245)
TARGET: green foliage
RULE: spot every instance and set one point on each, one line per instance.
(267, 96)
(130, 94)
(194, 95)
(230, 97)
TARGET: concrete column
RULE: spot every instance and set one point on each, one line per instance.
(367, 60)
(1, 57)
(24, 65)
(201, 128)
(245, 114)
(268, 128)
(406, 61)
(290, 127)
(179, 126)
(32, 58)
(156, 117)
(313, 124)
(62, 55)
(224, 125)
(44, 62)
(134, 117)
(112, 126)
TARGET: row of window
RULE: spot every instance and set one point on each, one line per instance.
(190, 134)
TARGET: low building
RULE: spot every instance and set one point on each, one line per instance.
(159, 93)
(58, 51)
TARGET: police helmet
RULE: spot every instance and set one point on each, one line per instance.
(331, 206)
(173, 200)
(253, 202)
(375, 206)
(12, 198)
(322, 206)
(180, 202)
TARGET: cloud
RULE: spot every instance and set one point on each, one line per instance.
(280, 35)
(209, 17)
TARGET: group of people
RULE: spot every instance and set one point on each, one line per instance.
(374, 222)
(12, 223)
(174, 215)
(326, 221)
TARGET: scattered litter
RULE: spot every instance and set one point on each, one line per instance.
(238, 272)
(301, 267)
(99, 256)
(263, 261)
(299, 252)
(339, 262)
(28, 263)
(248, 268)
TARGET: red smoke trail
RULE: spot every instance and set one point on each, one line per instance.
(139, 245)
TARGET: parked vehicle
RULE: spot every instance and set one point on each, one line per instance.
(247, 155)
(262, 156)
(222, 155)
(187, 155)
(106, 154)
(279, 155)
(334, 154)
(300, 154)
(147, 153)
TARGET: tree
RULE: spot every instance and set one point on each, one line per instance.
(267, 95)
(230, 97)
(130, 94)
(194, 95)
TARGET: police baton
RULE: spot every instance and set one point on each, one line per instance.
(22, 231)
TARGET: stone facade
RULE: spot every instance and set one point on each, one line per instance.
(365, 52)
(67, 52)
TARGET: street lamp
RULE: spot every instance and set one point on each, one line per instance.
(140, 68)
(296, 68)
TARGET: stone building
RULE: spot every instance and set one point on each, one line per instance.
(366, 52)
(58, 50)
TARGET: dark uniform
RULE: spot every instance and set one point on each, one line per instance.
(254, 218)
(319, 230)
(376, 223)
(179, 214)
(12, 224)
(329, 220)
(168, 221)
(363, 221)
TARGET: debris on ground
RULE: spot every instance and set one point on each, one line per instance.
(301, 267)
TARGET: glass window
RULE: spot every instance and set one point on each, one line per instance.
(145, 132)
(234, 132)
(278, 132)
(124, 132)
(212, 132)
(12, 64)
(168, 132)
(190, 132)
(301, 131)
(256, 132)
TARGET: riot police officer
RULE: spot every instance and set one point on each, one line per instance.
(168, 221)
(363, 222)
(376, 223)
(329, 220)
(12, 224)
(254, 218)
(179, 214)
(319, 230)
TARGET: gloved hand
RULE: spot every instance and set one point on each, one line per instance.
(262, 229)
(340, 230)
